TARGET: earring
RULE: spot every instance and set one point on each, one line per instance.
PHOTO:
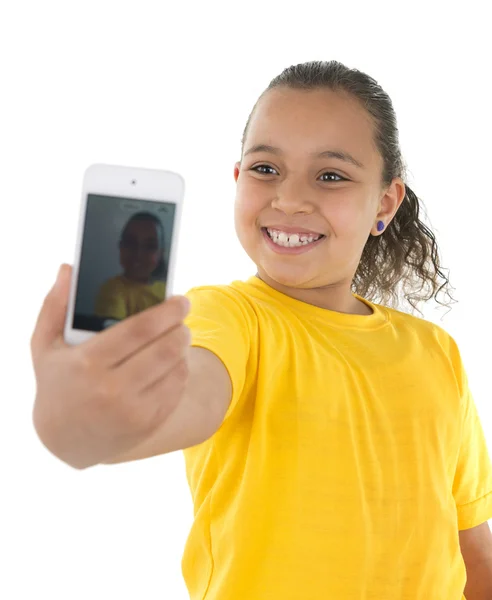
(380, 225)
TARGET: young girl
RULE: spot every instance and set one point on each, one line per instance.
(351, 453)
(141, 257)
(333, 448)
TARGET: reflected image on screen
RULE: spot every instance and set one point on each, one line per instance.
(124, 259)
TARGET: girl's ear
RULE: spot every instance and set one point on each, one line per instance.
(237, 168)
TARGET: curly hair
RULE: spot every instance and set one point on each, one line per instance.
(404, 260)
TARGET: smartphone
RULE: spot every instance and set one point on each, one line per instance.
(125, 254)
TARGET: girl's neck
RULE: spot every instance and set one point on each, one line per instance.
(139, 281)
(337, 297)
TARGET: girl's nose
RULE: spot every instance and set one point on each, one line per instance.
(292, 199)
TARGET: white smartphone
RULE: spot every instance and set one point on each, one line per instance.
(125, 254)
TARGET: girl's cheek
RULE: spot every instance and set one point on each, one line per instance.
(123, 257)
(247, 209)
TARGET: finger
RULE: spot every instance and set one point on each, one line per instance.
(114, 345)
(154, 361)
(51, 319)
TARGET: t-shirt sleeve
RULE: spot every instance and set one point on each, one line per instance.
(223, 323)
(110, 301)
(472, 486)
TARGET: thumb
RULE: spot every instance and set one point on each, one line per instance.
(51, 319)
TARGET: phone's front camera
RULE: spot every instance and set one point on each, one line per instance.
(134, 182)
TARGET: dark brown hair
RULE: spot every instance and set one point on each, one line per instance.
(406, 253)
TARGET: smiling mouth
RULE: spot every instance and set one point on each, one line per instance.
(292, 240)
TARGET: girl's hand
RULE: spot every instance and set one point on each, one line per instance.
(104, 397)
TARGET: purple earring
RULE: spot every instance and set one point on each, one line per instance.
(380, 226)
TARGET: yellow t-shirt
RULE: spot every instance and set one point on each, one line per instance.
(349, 458)
(120, 297)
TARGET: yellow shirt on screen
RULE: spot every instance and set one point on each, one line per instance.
(351, 455)
(120, 297)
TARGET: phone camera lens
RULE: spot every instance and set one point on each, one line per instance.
(134, 182)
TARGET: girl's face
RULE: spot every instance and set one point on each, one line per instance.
(139, 250)
(290, 181)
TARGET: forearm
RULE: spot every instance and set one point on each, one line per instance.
(479, 581)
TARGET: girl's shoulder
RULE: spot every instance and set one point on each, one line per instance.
(159, 287)
(113, 285)
(220, 298)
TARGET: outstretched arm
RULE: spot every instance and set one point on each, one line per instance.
(476, 548)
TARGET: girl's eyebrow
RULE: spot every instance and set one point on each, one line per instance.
(338, 154)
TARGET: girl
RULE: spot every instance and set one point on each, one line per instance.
(141, 257)
(351, 453)
(333, 448)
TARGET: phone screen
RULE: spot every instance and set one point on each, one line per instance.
(124, 259)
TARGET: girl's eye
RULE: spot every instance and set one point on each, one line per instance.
(326, 177)
(263, 170)
(332, 180)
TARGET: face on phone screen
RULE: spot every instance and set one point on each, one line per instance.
(124, 259)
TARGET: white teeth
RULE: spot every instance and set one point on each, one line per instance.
(293, 240)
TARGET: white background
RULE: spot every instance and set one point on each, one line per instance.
(170, 85)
